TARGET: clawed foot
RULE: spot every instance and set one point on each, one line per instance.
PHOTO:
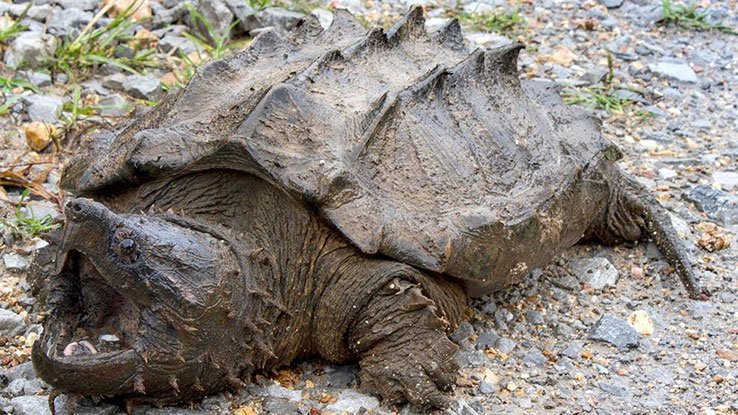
(406, 355)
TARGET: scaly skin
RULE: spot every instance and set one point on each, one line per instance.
(258, 297)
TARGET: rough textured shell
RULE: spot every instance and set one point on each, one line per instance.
(411, 146)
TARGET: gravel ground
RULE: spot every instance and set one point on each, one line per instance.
(604, 330)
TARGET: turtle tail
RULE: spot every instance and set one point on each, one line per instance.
(632, 214)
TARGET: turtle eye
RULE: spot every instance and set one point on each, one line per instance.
(127, 246)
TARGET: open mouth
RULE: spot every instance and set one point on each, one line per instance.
(90, 331)
(93, 317)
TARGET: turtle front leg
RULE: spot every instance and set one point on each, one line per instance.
(405, 353)
(394, 320)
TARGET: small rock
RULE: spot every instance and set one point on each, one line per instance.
(11, 324)
(43, 108)
(324, 16)
(534, 317)
(30, 405)
(641, 322)
(479, 8)
(470, 358)
(573, 350)
(280, 19)
(15, 262)
(727, 180)
(39, 134)
(217, 14)
(22, 371)
(278, 391)
(615, 331)
(719, 205)
(68, 22)
(597, 272)
(352, 402)
(170, 42)
(15, 388)
(613, 389)
(487, 340)
(30, 50)
(114, 81)
(114, 105)
(594, 76)
(534, 357)
(143, 87)
(86, 5)
(505, 345)
(611, 4)
(39, 79)
(243, 12)
(672, 69)
(141, 9)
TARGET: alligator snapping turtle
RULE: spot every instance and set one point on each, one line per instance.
(337, 194)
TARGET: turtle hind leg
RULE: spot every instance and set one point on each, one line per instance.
(632, 214)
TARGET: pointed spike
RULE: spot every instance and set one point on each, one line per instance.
(504, 60)
(253, 328)
(235, 382)
(306, 28)
(138, 384)
(450, 35)
(174, 384)
(344, 23)
(198, 386)
(265, 42)
(412, 25)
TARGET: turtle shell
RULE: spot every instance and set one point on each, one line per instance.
(409, 145)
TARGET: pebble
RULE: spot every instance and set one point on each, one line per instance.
(672, 69)
(611, 4)
(219, 17)
(487, 340)
(68, 22)
(641, 322)
(143, 87)
(43, 108)
(534, 357)
(534, 317)
(598, 272)
(505, 345)
(243, 12)
(280, 19)
(15, 262)
(30, 50)
(40, 79)
(114, 105)
(39, 135)
(727, 180)
(613, 389)
(615, 331)
(470, 358)
(30, 405)
(573, 350)
(349, 401)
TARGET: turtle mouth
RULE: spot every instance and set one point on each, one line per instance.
(89, 333)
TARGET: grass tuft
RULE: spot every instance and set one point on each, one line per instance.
(500, 22)
(94, 47)
(214, 44)
(602, 97)
(10, 28)
(257, 5)
(690, 17)
(27, 226)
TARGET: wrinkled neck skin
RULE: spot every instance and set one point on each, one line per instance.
(301, 286)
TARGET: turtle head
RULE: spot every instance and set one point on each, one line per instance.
(141, 307)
